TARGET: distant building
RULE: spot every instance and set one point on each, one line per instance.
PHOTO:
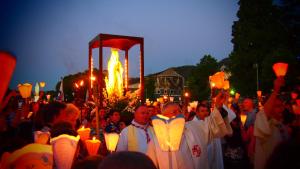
(169, 83)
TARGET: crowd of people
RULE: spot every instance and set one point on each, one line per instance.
(215, 135)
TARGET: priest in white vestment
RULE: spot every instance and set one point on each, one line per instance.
(215, 156)
(136, 136)
(268, 128)
(192, 153)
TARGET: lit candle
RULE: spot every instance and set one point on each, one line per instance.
(111, 140)
(92, 146)
(84, 133)
(243, 118)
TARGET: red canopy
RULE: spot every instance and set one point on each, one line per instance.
(115, 41)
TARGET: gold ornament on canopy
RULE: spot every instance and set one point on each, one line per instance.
(217, 80)
(25, 90)
(111, 140)
(280, 69)
(168, 131)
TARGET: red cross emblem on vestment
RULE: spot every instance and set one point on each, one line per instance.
(196, 150)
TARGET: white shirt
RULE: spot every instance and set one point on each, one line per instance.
(268, 135)
(142, 138)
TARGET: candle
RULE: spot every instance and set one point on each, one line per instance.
(243, 118)
(111, 140)
(258, 93)
(92, 146)
(84, 133)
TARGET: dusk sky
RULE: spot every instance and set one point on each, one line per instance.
(50, 38)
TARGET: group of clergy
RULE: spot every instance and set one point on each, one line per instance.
(200, 146)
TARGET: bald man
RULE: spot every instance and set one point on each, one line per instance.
(138, 134)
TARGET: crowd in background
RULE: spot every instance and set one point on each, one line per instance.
(239, 149)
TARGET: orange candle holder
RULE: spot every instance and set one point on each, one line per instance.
(92, 146)
(84, 133)
(280, 68)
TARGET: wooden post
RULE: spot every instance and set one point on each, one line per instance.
(100, 79)
(90, 73)
(142, 71)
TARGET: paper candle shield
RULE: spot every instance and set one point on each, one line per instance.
(92, 146)
(280, 69)
(37, 89)
(193, 105)
(226, 85)
(217, 80)
(258, 93)
(84, 133)
(42, 84)
(64, 148)
(7, 67)
(36, 156)
(243, 118)
(111, 140)
(41, 137)
(168, 131)
(25, 90)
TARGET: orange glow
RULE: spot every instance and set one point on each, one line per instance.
(81, 83)
(25, 90)
(243, 118)
(93, 78)
(42, 84)
(226, 85)
(237, 96)
(217, 80)
(186, 94)
(280, 69)
(76, 85)
(258, 93)
(114, 82)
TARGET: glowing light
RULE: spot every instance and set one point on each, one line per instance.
(280, 69)
(25, 90)
(232, 92)
(114, 82)
(186, 94)
(81, 83)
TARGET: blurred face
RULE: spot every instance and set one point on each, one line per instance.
(248, 105)
(71, 118)
(94, 123)
(278, 110)
(171, 110)
(142, 115)
(202, 112)
(115, 118)
(152, 111)
(101, 114)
